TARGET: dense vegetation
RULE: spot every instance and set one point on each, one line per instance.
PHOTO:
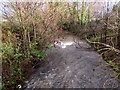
(29, 28)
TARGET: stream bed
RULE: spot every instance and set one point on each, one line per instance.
(73, 64)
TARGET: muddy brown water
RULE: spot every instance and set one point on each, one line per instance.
(73, 64)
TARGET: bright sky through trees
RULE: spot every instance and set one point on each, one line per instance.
(61, 0)
(111, 4)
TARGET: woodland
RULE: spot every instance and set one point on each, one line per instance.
(28, 29)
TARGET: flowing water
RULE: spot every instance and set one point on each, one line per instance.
(73, 64)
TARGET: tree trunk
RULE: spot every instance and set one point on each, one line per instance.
(118, 37)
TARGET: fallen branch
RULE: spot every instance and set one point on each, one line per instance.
(106, 52)
(115, 59)
(106, 45)
(103, 49)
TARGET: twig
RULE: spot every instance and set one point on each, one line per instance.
(115, 59)
(105, 52)
(109, 80)
(103, 49)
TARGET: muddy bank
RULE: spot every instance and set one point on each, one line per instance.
(73, 64)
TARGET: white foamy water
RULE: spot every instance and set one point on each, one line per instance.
(64, 44)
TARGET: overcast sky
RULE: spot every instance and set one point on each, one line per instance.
(111, 5)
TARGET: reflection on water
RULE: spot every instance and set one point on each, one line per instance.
(63, 44)
(67, 41)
